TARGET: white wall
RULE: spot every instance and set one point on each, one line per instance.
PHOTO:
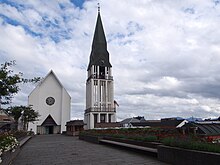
(60, 110)
(66, 106)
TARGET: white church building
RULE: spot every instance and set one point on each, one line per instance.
(100, 105)
(51, 100)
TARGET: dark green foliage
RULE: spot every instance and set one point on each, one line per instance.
(190, 143)
(168, 137)
(139, 134)
(26, 113)
(9, 82)
(15, 112)
(19, 134)
(7, 142)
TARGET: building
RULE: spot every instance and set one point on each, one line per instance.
(73, 127)
(100, 107)
(140, 122)
(6, 122)
(173, 122)
(52, 102)
(130, 122)
(209, 130)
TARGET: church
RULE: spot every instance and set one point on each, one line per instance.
(51, 100)
(100, 105)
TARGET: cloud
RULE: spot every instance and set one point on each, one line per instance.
(165, 55)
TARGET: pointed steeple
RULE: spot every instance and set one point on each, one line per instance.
(99, 55)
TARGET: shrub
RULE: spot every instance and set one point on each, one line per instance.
(19, 134)
(189, 143)
(7, 143)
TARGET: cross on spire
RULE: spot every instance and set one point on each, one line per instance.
(98, 7)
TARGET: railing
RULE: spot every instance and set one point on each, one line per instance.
(100, 110)
(95, 76)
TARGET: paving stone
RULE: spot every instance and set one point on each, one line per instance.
(65, 150)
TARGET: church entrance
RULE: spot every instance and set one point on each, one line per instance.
(49, 129)
(49, 126)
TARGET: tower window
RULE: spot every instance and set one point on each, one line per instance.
(95, 71)
(95, 118)
(102, 72)
(109, 118)
(107, 70)
(102, 118)
(95, 82)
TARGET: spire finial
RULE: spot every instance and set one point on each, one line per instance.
(98, 7)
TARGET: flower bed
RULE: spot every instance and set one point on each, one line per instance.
(139, 134)
(8, 143)
(169, 137)
(191, 143)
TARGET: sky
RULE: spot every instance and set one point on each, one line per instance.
(165, 55)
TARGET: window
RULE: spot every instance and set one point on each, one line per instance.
(95, 71)
(95, 82)
(107, 70)
(109, 118)
(95, 118)
(102, 72)
(102, 118)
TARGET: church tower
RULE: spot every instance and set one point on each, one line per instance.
(99, 85)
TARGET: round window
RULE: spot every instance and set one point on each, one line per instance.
(50, 101)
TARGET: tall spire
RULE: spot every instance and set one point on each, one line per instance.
(99, 55)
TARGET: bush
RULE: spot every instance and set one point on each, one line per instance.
(189, 143)
(8, 142)
(19, 134)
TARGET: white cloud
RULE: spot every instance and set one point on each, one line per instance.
(165, 54)
(166, 82)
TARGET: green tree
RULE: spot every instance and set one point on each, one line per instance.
(29, 115)
(15, 112)
(9, 82)
(25, 113)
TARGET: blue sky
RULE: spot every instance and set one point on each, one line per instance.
(78, 3)
(165, 54)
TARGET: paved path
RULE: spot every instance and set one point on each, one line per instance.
(68, 150)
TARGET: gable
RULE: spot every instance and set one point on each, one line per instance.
(49, 121)
(50, 81)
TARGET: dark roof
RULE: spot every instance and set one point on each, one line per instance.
(75, 122)
(129, 120)
(207, 128)
(5, 117)
(171, 123)
(99, 55)
(4, 124)
(49, 121)
(140, 124)
(159, 123)
(141, 118)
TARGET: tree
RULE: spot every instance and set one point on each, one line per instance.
(9, 82)
(25, 113)
(15, 112)
(29, 115)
